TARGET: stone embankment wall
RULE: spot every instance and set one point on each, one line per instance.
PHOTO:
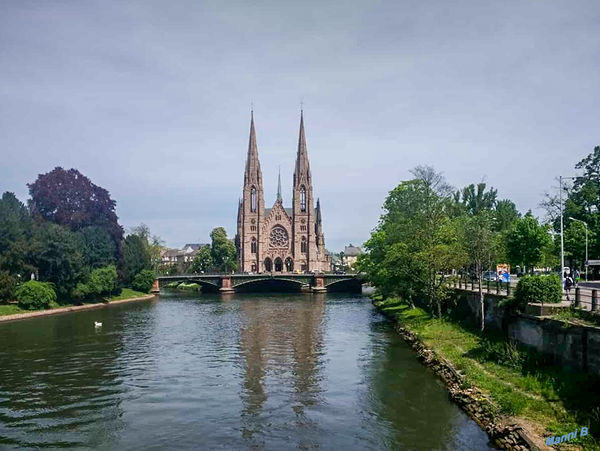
(471, 400)
(572, 346)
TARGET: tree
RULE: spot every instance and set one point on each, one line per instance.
(203, 261)
(527, 241)
(416, 241)
(153, 243)
(574, 235)
(134, 258)
(144, 280)
(223, 250)
(59, 258)
(478, 241)
(101, 282)
(505, 215)
(16, 231)
(70, 199)
(8, 285)
(476, 199)
(100, 250)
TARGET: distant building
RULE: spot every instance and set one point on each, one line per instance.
(351, 254)
(186, 254)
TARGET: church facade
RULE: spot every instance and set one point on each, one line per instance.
(280, 239)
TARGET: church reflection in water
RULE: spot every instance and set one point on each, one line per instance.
(282, 349)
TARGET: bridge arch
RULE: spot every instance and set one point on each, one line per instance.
(270, 284)
(351, 284)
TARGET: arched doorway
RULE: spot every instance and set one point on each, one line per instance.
(278, 265)
(268, 265)
(289, 264)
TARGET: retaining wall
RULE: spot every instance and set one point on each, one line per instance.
(575, 347)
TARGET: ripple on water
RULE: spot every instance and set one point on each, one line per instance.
(247, 372)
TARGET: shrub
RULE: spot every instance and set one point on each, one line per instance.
(538, 289)
(102, 281)
(34, 295)
(8, 285)
(143, 280)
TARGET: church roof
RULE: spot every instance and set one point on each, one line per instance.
(289, 211)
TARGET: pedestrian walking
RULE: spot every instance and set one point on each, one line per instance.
(577, 277)
(568, 285)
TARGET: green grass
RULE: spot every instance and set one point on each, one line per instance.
(577, 316)
(10, 309)
(518, 383)
(127, 293)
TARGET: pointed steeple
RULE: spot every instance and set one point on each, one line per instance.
(318, 214)
(302, 166)
(253, 173)
(279, 198)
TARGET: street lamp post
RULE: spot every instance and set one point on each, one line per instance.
(586, 244)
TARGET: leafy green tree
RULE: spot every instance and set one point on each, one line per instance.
(527, 242)
(505, 215)
(59, 257)
(143, 280)
(203, 261)
(16, 231)
(34, 295)
(478, 239)
(574, 234)
(101, 282)
(154, 244)
(134, 259)
(416, 241)
(100, 250)
(8, 285)
(475, 199)
(223, 250)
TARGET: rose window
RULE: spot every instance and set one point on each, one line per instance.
(278, 237)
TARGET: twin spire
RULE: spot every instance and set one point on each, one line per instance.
(253, 172)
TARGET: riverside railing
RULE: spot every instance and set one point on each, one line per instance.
(463, 282)
(581, 297)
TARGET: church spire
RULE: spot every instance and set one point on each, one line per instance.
(302, 166)
(253, 173)
(279, 185)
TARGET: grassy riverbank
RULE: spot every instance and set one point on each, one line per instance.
(546, 400)
(126, 293)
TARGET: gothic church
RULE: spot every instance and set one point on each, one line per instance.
(280, 239)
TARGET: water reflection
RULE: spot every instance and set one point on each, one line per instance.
(245, 372)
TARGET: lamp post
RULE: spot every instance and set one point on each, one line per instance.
(586, 244)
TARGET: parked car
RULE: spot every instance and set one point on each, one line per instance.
(490, 275)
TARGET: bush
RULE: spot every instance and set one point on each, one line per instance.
(34, 295)
(538, 289)
(8, 285)
(102, 281)
(144, 280)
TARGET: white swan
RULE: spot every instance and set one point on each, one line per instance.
(97, 324)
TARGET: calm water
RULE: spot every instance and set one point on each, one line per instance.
(251, 371)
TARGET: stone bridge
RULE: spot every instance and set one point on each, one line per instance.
(229, 283)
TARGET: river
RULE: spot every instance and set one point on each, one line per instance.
(247, 371)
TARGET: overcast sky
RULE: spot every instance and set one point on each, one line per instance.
(151, 100)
